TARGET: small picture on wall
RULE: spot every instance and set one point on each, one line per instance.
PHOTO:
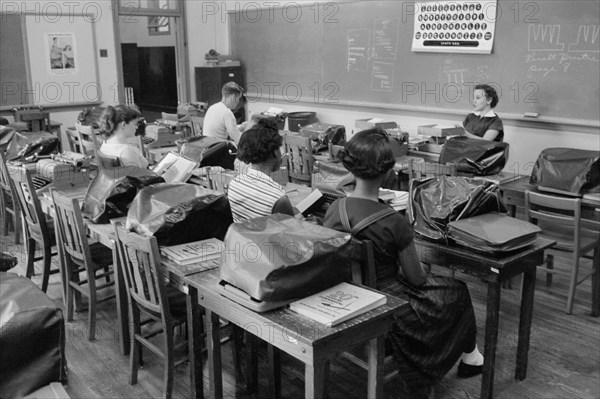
(61, 53)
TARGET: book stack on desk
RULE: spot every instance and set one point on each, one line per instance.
(195, 257)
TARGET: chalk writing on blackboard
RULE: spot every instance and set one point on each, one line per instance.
(358, 49)
(382, 78)
(546, 56)
(385, 39)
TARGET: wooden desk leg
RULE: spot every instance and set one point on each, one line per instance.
(314, 379)
(376, 363)
(64, 280)
(596, 284)
(122, 307)
(195, 333)
(528, 290)
(213, 339)
(491, 340)
(274, 371)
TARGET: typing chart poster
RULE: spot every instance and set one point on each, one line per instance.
(465, 27)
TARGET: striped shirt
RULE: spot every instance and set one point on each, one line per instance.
(253, 194)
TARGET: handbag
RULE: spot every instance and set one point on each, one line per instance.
(178, 213)
(568, 171)
(279, 257)
(209, 151)
(437, 201)
(473, 156)
(111, 192)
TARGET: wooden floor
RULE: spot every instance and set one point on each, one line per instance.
(564, 358)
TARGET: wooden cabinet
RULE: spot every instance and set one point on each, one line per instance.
(209, 81)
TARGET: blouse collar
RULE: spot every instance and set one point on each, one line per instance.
(490, 114)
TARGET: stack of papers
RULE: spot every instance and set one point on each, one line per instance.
(397, 199)
(195, 257)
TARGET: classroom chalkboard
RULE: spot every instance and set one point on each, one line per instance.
(545, 58)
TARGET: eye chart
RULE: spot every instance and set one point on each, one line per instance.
(455, 26)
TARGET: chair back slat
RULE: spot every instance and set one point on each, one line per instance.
(363, 263)
(298, 150)
(28, 201)
(140, 259)
(87, 139)
(72, 229)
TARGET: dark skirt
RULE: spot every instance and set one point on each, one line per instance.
(430, 334)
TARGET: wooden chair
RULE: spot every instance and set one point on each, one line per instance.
(148, 294)
(73, 139)
(36, 120)
(560, 220)
(424, 170)
(128, 96)
(37, 229)
(9, 206)
(94, 260)
(219, 180)
(197, 123)
(300, 158)
(87, 139)
(106, 161)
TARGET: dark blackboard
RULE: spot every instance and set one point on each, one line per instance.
(13, 71)
(545, 58)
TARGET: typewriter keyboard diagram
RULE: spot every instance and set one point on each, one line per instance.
(454, 26)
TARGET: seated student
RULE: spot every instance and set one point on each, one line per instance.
(119, 124)
(253, 193)
(438, 327)
(219, 120)
(483, 123)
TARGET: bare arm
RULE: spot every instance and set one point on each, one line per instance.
(411, 265)
(489, 135)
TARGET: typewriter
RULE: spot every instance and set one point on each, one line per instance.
(161, 136)
(62, 170)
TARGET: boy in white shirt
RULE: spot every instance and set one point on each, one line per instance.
(219, 120)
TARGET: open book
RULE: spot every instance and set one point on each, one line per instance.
(338, 304)
(175, 168)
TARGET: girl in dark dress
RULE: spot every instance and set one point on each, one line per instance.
(437, 328)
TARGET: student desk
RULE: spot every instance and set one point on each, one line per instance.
(494, 270)
(308, 341)
(514, 195)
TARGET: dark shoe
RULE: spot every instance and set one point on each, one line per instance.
(468, 371)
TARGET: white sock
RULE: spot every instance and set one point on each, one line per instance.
(474, 358)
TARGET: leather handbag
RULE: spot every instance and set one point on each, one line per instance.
(568, 171)
(111, 192)
(280, 257)
(437, 201)
(473, 156)
(177, 213)
(209, 151)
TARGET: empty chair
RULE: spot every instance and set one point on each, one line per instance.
(93, 260)
(298, 150)
(560, 220)
(219, 179)
(37, 229)
(9, 207)
(73, 139)
(149, 295)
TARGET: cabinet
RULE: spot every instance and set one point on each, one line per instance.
(209, 81)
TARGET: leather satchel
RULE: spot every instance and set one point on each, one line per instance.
(177, 213)
(280, 257)
(476, 157)
(111, 192)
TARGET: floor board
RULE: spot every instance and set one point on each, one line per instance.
(564, 356)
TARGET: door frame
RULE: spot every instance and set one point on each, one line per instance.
(181, 46)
